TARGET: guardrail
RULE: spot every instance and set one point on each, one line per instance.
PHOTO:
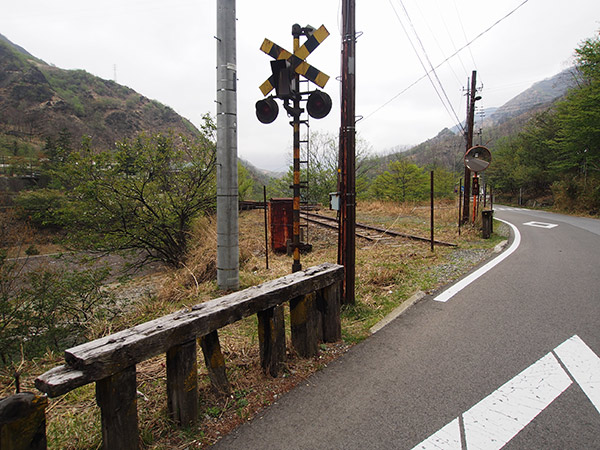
(110, 362)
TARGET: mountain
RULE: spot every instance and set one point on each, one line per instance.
(38, 100)
(448, 146)
(539, 95)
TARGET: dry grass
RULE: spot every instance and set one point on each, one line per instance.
(387, 273)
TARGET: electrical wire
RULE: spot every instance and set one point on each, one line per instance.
(462, 27)
(449, 103)
(447, 106)
(445, 60)
(416, 4)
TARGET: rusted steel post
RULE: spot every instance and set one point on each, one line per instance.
(492, 205)
(432, 212)
(23, 422)
(182, 383)
(460, 186)
(296, 266)
(266, 227)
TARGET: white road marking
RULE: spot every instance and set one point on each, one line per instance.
(495, 420)
(509, 208)
(541, 224)
(498, 418)
(448, 438)
(583, 365)
(460, 285)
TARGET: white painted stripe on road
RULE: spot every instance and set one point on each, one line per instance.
(583, 365)
(496, 419)
(448, 438)
(499, 417)
(460, 285)
(541, 225)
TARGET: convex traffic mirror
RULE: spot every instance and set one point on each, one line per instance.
(478, 158)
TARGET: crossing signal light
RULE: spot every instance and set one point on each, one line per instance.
(318, 105)
(284, 78)
(267, 110)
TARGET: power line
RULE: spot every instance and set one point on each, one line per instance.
(431, 66)
(446, 60)
(448, 105)
(462, 27)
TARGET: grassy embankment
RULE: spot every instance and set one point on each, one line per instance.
(387, 273)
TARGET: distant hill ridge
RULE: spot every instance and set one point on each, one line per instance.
(38, 100)
(448, 146)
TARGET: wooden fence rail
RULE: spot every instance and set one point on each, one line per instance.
(110, 362)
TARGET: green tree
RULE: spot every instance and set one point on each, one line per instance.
(46, 309)
(403, 181)
(322, 172)
(444, 182)
(558, 151)
(143, 195)
(245, 183)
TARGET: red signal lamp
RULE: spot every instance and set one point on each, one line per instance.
(318, 105)
(267, 110)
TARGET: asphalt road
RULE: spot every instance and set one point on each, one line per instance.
(511, 361)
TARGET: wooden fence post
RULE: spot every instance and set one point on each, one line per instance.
(182, 383)
(271, 339)
(116, 396)
(303, 325)
(23, 422)
(215, 362)
(328, 304)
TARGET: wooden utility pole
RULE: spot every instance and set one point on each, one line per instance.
(470, 121)
(347, 175)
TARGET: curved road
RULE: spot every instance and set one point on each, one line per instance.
(508, 361)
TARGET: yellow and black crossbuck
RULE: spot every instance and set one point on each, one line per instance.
(297, 60)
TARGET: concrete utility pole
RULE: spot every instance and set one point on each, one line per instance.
(470, 122)
(347, 181)
(227, 176)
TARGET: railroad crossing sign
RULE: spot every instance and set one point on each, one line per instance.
(297, 60)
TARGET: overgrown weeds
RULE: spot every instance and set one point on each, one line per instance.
(387, 273)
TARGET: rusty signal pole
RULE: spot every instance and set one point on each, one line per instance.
(347, 180)
(285, 79)
(296, 265)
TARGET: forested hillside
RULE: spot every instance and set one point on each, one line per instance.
(38, 101)
(556, 158)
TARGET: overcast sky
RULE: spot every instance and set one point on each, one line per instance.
(166, 51)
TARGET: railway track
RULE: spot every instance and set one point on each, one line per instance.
(374, 233)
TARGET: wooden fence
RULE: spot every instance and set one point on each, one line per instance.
(110, 362)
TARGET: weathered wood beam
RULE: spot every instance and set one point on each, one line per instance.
(271, 340)
(110, 354)
(304, 325)
(61, 379)
(215, 362)
(328, 304)
(182, 383)
(117, 398)
(23, 422)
